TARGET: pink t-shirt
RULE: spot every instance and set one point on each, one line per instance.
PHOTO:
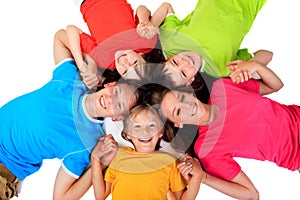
(248, 126)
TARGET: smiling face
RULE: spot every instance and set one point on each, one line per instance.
(111, 101)
(182, 108)
(144, 128)
(126, 60)
(184, 66)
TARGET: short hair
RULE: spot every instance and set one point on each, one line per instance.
(168, 133)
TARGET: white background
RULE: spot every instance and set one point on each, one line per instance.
(26, 39)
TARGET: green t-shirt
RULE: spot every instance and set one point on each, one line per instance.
(215, 29)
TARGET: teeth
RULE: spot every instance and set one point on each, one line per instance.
(194, 110)
(145, 139)
(102, 102)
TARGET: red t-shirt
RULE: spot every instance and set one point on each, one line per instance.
(248, 126)
(112, 27)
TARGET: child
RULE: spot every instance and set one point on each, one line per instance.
(117, 36)
(132, 172)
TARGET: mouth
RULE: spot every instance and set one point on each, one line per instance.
(194, 110)
(102, 102)
(145, 140)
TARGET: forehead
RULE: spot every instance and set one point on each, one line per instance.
(126, 93)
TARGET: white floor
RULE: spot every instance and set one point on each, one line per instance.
(26, 39)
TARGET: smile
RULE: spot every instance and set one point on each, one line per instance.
(145, 140)
(195, 109)
(102, 102)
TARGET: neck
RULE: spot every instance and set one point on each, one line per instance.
(210, 116)
(88, 106)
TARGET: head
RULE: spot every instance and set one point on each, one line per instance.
(184, 66)
(126, 60)
(144, 127)
(114, 100)
(182, 108)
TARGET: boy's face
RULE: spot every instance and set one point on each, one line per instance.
(113, 101)
(145, 129)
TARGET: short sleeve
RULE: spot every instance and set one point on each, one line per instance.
(222, 166)
(76, 163)
(176, 181)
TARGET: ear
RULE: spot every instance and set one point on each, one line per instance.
(189, 82)
(110, 84)
(178, 125)
(118, 118)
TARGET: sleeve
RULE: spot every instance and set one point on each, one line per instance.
(171, 22)
(87, 43)
(222, 166)
(110, 175)
(243, 54)
(66, 70)
(177, 182)
(251, 85)
(76, 163)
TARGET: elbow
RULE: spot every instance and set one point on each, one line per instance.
(253, 195)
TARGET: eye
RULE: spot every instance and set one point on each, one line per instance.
(136, 126)
(174, 61)
(125, 71)
(181, 98)
(152, 125)
(183, 74)
(119, 106)
(134, 63)
(178, 112)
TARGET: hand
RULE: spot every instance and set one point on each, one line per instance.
(241, 71)
(89, 73)
(105, 150)
(189, 168)
(147, 30)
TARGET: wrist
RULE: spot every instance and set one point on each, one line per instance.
(204, 178)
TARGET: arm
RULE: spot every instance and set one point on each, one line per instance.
(63, 49)
(261, 56)
(145, 28)
(161, 13)
(101, 156)
(240, 187)
(60, 51)
(191, 170)
(269, 81)
(66, 187)
(73, 35)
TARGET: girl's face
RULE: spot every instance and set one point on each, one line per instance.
(182, 108)
(127, 60)
(145, 129)
(184, 66)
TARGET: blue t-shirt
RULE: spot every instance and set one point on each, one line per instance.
(49, 123)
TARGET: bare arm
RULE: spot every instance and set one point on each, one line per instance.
(240, 187)
(161, 13)
(102, 155)
(66, 46)
(73, 34)
(269, 81)
(66, 187)
(191, 170)
(263, 57)
(145, 28)
(60, 51)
